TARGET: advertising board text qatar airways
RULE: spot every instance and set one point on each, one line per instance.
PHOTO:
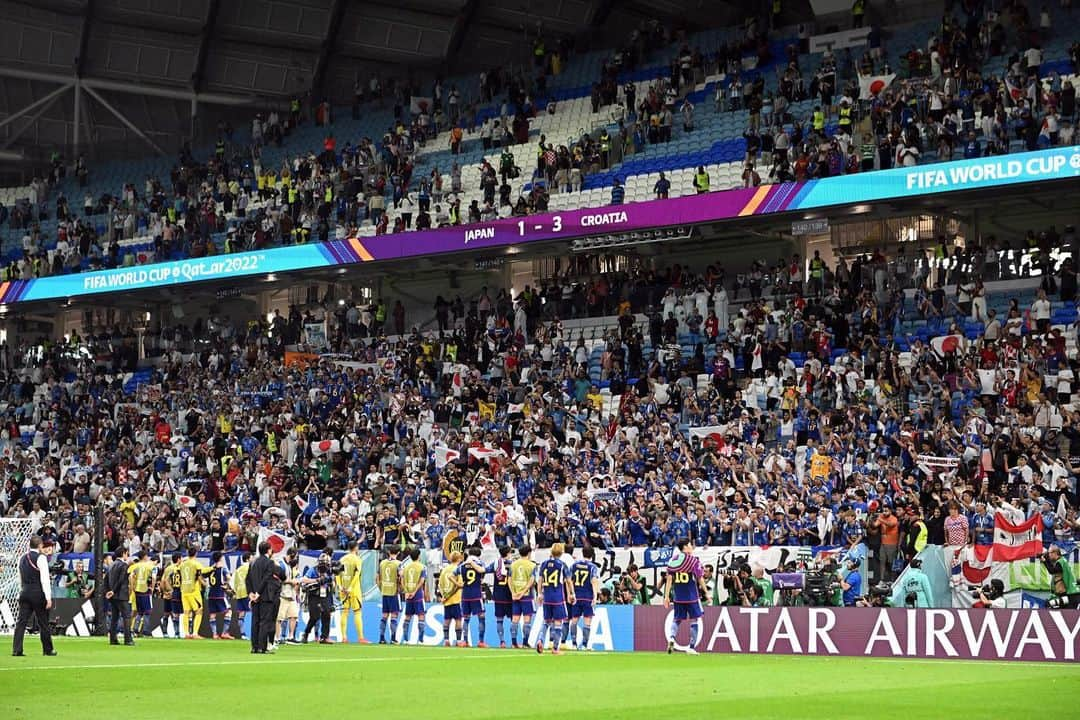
(1020, 634)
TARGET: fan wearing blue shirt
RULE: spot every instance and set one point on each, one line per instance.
(434, 532)
(678, 527)
(982, 525)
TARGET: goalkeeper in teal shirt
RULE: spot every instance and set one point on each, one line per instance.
(917, 591)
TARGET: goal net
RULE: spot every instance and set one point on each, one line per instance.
(14, 543)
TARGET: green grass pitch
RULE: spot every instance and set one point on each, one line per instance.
(196, 680)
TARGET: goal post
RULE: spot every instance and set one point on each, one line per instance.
(15, 536)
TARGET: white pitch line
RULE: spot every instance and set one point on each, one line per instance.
(277, 661)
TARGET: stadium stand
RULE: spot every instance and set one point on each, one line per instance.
(950, 81)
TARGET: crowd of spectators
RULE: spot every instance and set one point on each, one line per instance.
(942, 106)
(496, 427)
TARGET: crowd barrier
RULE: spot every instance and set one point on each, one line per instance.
(963, 634)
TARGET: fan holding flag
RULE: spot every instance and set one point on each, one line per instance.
(871, 86)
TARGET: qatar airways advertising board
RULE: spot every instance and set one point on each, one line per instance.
(968, 634)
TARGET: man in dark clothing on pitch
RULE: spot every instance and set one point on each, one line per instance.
(35, 598)
(117, 592)
(264, 590)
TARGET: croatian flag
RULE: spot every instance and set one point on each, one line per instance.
(870, 86)
(1013, 541)
(307, 506)
(1016, 93)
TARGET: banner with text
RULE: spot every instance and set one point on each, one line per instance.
(1031, 635)
(975, 174)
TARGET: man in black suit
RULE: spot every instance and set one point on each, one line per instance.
(35, 598)
(116, 593)
(264, 590)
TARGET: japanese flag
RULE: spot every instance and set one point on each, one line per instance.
(186, 501)
(485, 453)
(279, 544)
(322, 447)
(870, 86)
(708, 497)
(444, 456)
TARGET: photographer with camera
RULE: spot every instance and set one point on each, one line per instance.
(1062, 582)
(318, 584)
(77, 582)
(740, 588)
(991, 595)
(851, 581)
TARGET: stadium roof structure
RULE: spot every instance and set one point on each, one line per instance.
(107, 73)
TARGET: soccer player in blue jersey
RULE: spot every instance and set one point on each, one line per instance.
(557, 591)
(216, 601)
(585, 576)
(684, 581)
(471, 573)
(500, 593)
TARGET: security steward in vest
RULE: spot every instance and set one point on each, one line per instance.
(845, 118)
(819, 120)
(35, 598)
(701, 180)
(605, 148)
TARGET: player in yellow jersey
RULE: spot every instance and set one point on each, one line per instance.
(450, 590)
(351, 593)
(191, 574)
(142, 585)
(170, 592)
(413, 574)
(131, 587)
(523, 596)
(389, 587)
(240, 592)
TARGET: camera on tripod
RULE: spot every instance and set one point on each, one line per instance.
(821, 585)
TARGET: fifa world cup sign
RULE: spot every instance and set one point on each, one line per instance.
(967, 634)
